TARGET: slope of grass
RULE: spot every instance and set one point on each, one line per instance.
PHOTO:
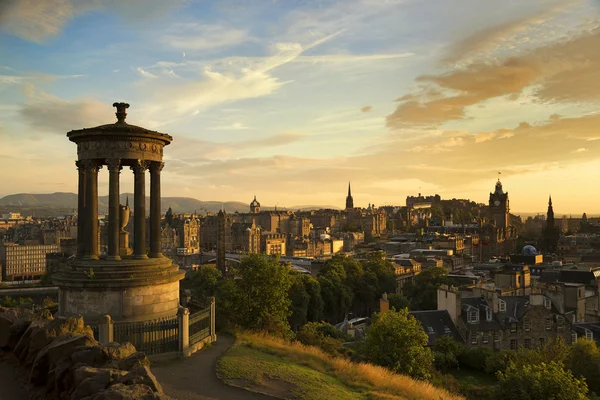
(274, 366)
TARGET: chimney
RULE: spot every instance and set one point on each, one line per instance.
(384, 304)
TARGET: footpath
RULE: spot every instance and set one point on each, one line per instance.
(195, 378)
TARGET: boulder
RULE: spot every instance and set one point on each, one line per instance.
(17, 330)
(137, 359)
(22, 348)
(142, 376)
(124, 392)
(62, 347)
(44, 335)
(118, 351)
(94, 356)
(5, 330)
(90, 381)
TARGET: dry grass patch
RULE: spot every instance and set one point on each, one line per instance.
(363, 380)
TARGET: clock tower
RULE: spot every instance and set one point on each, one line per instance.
(499, 208)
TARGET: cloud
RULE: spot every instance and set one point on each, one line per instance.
(580, 150)
(366, 109)
(145, 73)
(237, 126)
(489, 38)
(36, 21)
(194, 36)
(563, 71)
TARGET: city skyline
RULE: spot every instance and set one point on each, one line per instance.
(291, 100)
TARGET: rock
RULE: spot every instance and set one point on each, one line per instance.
(5, 330)
(118, 351)
(22, 348)
(60, 348)
(17, 330)
(90, 381)
(137, 359)
(45, 334)
(142, 375)
(133, 392)
(94, 356)
(3, 310)
(11, 314)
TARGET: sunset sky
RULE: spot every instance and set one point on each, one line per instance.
(291, 99)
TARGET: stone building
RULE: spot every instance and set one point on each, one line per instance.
(245, 237)
(504, 322)
(498, 237)
(273, 243)
(24, 262)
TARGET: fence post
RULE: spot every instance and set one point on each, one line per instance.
(183, 317)
(106, 330)
(213, 331)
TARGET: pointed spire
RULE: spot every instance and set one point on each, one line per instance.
(349, 192)
(127, 202)
(550, 200)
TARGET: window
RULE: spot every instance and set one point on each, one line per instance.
(502, 305)
(473, 337)
(527, 344)
(527, 325)
(488, 314)
(589, 335)
(430, 330)
(548, 324)
(541, 341)
(486, 337)
(496, 336)
(573, 337)
(513, 327)
(560, 323)
(513, 344)
(473, 316)
(547, 303)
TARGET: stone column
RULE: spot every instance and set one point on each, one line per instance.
(114, 168)
(139, 209)
(91, 206)
(155, 169)
(183, 316)
(81, 211)
(213, 325)
(106, 330)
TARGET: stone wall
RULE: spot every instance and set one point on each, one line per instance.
(63, 361)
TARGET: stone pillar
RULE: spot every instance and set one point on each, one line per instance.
(139, 209)
(106, 331)
(183, 316)
(155, 169)
(213, 331)
(114, 168)
(91, 206)
(81, 211)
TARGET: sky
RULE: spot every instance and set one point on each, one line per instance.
(289, 100)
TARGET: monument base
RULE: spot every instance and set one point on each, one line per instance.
(128, 290)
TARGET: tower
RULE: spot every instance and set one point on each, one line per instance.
(550, 233)
(499, 208)
(254, 206)
(349, 199)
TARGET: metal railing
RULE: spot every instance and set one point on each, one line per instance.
(150, 337)
(200, 325)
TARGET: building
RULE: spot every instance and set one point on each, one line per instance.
(349, 199)
(273, 243)
(254, 206)
(498, 237)
(24, 262)
(551, 232)
(502, 322)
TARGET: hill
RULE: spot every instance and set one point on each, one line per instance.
(66, 200)
(269, 365)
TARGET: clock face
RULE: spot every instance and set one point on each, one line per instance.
(497, 203)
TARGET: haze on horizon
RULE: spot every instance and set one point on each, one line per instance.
(290, 100)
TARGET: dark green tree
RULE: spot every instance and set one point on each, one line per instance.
(204, 282)
(422, 292)
(584, 362)
(396, 340)
(398, 301)
(541, 381)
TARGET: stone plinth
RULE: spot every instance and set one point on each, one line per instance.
(128, 290)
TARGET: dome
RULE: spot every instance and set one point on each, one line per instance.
(529, 250)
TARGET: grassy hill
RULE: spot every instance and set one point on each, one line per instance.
(66, 200)
(269, 365)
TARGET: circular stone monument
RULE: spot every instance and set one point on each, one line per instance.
(130, 285)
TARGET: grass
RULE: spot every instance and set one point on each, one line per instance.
(292, 370)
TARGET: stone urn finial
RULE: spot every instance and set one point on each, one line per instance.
(121, 114)
(124, 213)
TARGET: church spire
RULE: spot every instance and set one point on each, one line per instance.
(349, 199)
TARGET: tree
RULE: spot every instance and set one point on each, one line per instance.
(398, 301)
(300, 300)
(422, 292)
(396, 340)
(540, 382)
(445, 350)
(203, 283)
(323, 335)
(336, 294)
(584, 362)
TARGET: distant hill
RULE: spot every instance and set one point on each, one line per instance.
(178, 204)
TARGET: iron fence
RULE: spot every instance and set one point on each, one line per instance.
(96, 330)
(150, 337)
(199, 325)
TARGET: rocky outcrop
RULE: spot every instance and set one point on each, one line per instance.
(66, 363)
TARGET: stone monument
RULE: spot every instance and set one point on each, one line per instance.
(130, 286)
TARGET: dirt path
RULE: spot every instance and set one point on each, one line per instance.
(194, 378)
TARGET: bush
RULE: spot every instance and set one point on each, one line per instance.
(474, 358)
(324, 336)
